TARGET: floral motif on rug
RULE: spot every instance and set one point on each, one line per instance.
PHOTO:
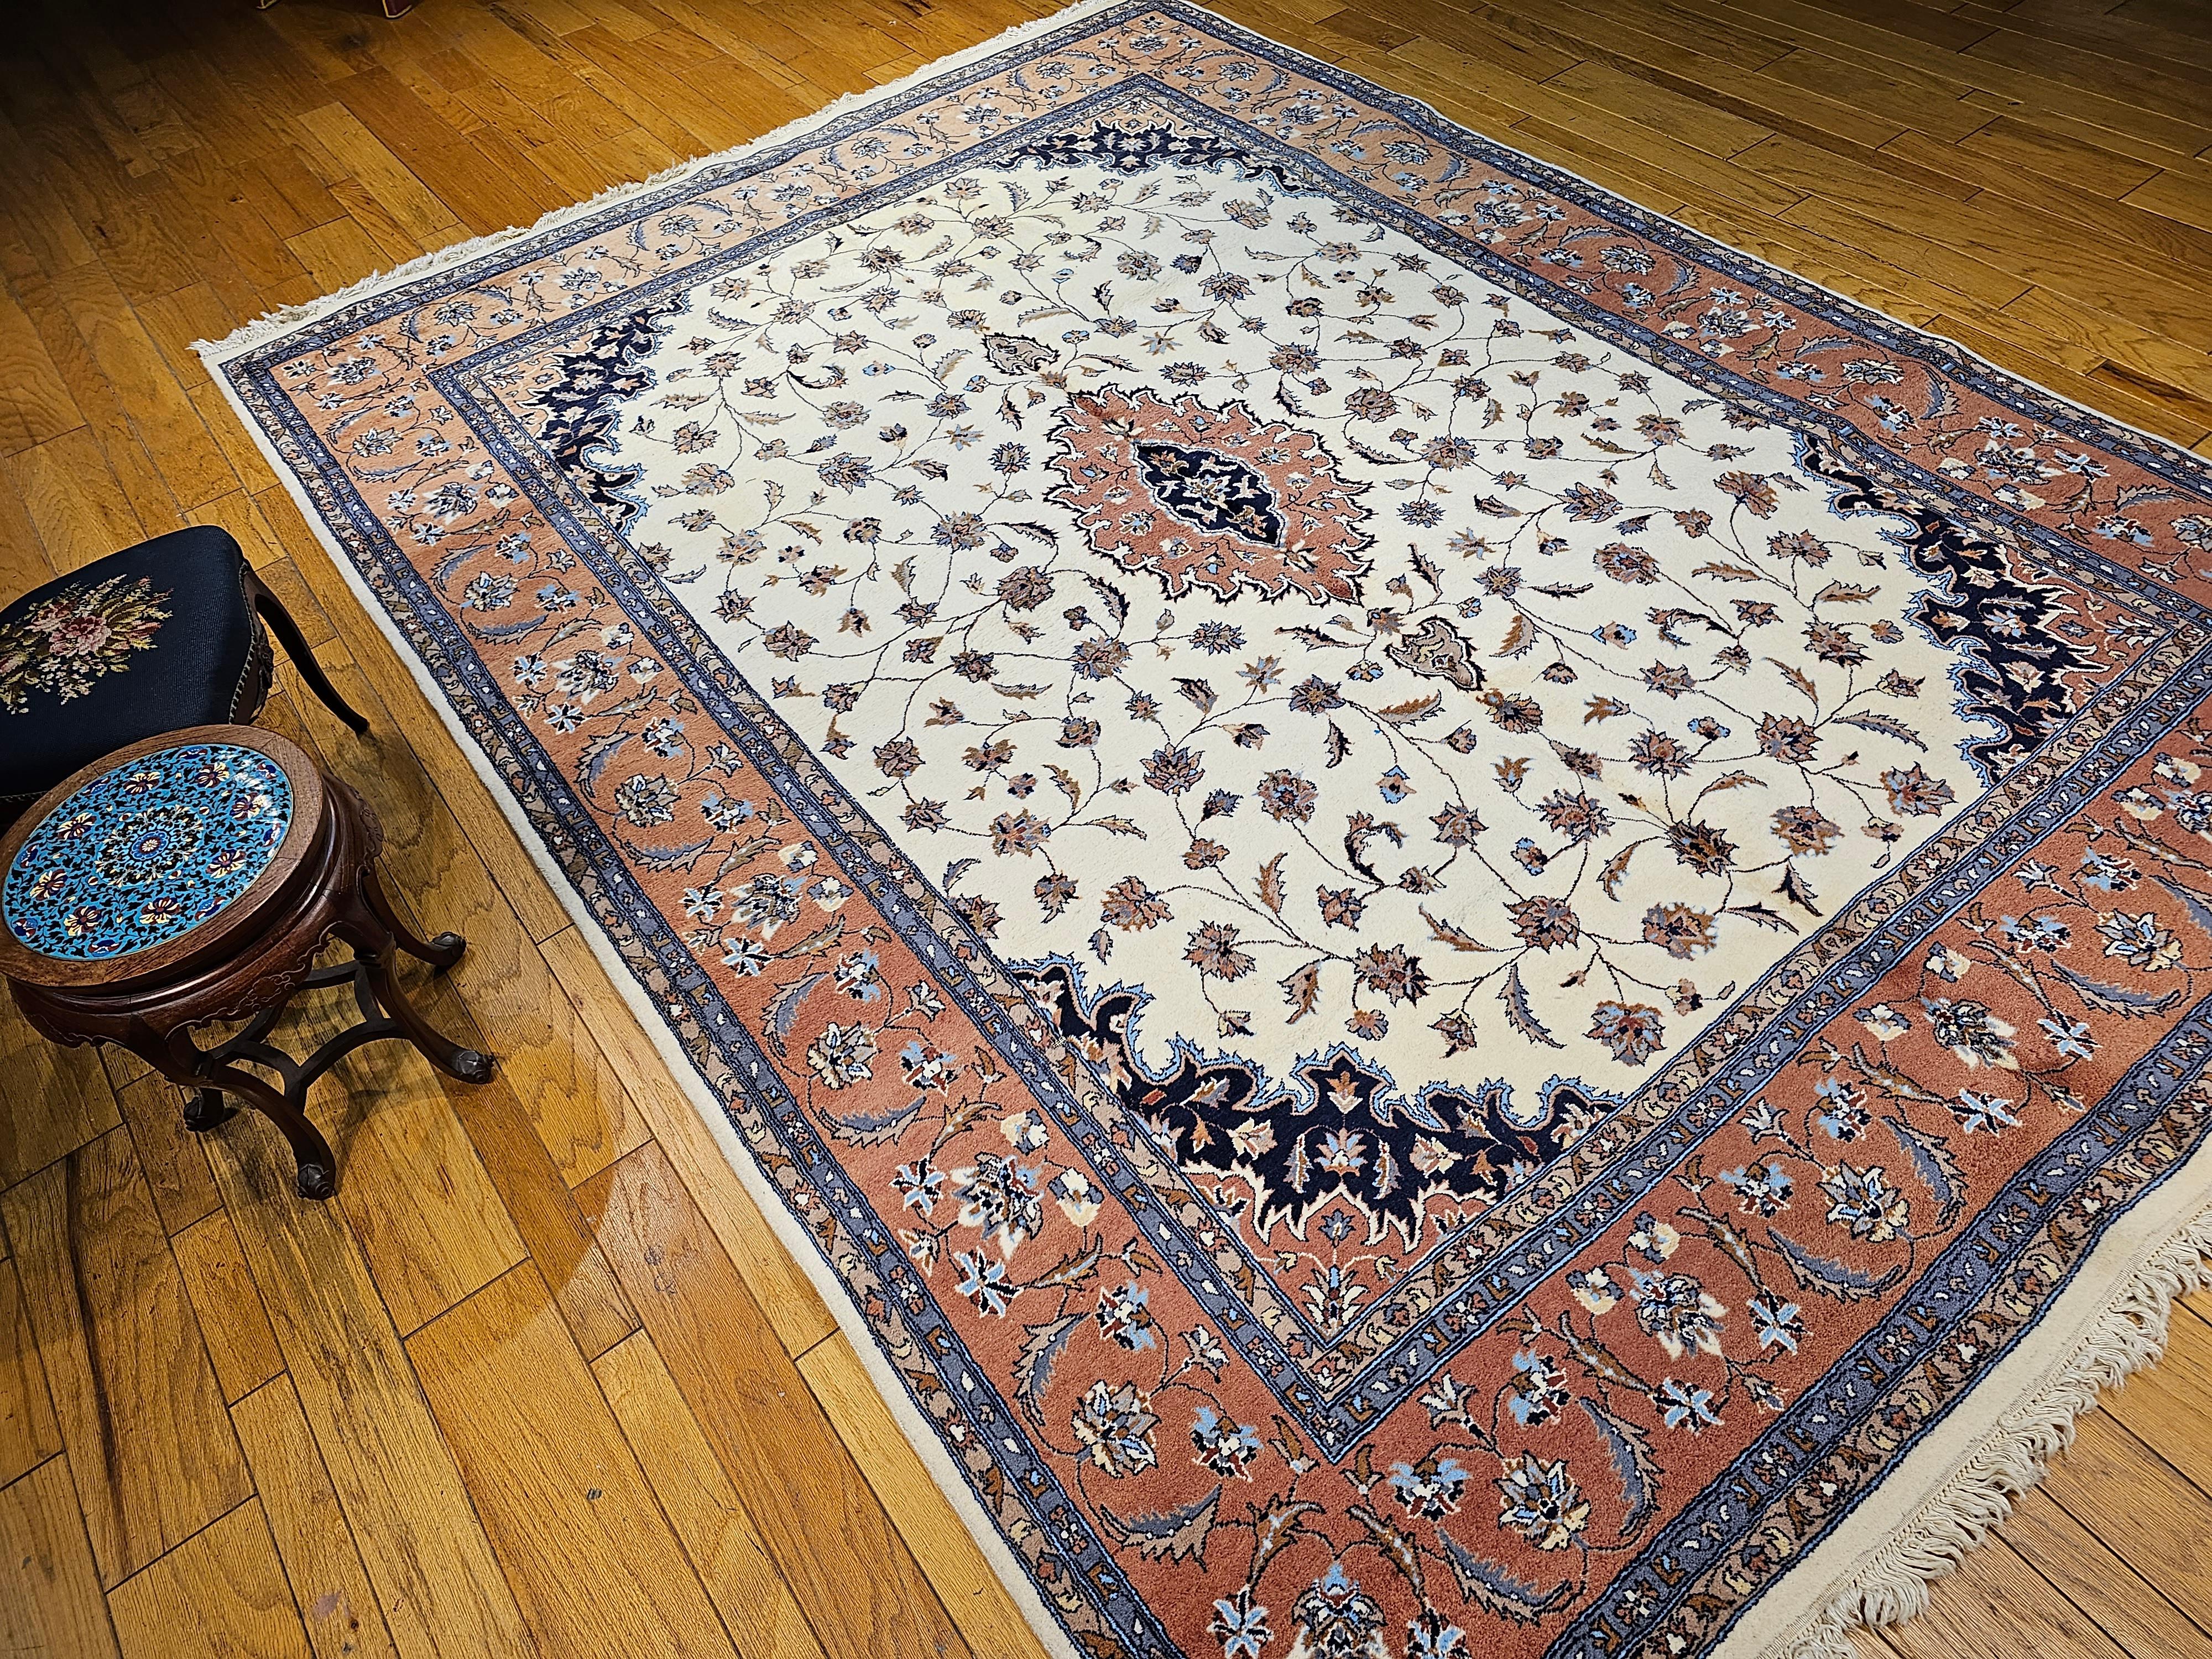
(1444, 905)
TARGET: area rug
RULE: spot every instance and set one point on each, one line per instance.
(1456, 925)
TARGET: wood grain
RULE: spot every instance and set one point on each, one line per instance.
(2122, 1603)
(780, 1287)
(149, 1443)
(239, 1342)
(555, 1482)
(2161, 1407)
(219, 1594)
(436, 1580)
(717, 1533)
(951, 1558)
(171, 1156)
(329, 1583)
(52, 1603)
(1996, 1611)
(844, 1560)
(52, 1100)
(2145, 1531)
(29, 1434)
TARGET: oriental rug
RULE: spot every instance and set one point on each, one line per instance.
(1456, 925)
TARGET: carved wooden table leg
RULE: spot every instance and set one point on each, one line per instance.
(441, 952)
(378, 941)
(212, 1075)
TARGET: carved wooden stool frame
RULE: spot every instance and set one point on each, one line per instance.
(248, 961)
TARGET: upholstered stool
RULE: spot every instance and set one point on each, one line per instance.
(194, 878)
(167, 634)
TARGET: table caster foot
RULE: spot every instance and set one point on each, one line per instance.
(316, 1180)
(206, 1108)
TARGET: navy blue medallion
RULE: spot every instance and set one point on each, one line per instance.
(1338, 1129)
(1211, 490)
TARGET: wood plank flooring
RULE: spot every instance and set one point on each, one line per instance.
(541, 1380)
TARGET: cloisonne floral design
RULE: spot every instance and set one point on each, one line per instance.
(1478, 1113)
(147, 852)
(72, 637)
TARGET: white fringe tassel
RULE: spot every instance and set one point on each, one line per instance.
(1894, 1583)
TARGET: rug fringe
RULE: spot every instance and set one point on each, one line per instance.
(273, 325)
(1895, 1583)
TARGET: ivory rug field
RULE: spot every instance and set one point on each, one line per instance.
(1457, 926)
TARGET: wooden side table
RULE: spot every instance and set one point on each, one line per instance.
(194, 878)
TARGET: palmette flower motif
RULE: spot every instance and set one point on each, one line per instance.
(1884, 1022)
(1686, 1406)
(1763, 1191)
(1913, 793)
(1213, 951)
(1241, 1625)
(1971, 1031)
(841, 1055)
(1862, 1202)
(998, 1196)
(984, 1281)
(645, 801)
(1632, 1030)
(1678, 1312)
(1078, 1198)
(1540, 1500)
(1681, 930)
(1335, 1616)
(1227, 1448)
(1594, 1288)
(1538, 1391)
(1124, 1319)
(1781, 1324)
(1805, 828)
(1430, 1489)
(1114, 1423)
(2141, 940)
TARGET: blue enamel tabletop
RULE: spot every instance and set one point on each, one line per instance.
(146, 852)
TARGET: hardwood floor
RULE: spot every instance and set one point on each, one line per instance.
(541, 1379)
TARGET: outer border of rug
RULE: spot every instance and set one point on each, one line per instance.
(1959, 1483)
(1876, 1567)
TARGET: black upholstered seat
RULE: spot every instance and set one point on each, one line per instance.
(163, 636)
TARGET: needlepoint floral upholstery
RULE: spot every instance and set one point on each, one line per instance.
(155, 638)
